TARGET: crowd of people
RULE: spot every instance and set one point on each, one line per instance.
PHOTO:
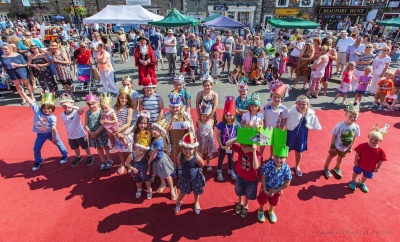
(153, 140)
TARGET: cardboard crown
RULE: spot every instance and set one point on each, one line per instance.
(48, 98)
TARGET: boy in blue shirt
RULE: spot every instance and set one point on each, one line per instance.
(44, 124)
(242, 101)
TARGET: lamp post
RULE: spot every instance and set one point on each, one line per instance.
(97, 5)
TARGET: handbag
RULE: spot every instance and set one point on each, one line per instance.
(95, 73)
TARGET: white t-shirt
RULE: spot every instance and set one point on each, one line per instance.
(73, 124)
(379, 64)
(182, 39)
(390, 98)
(344, 43)
(168, 40)
(252, 118)
(296, 52)
(94, 45)
(228, 42)
(273, 118)
(345, 135)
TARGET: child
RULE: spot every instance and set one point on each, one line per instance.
(390, 100)
(5, 80)
(201, 54)
(134, 95)
(75, 132)
(179, 87)
(192, 179)
(207, 95)
(343, 137)
(176, 114)
(109, 119)
(276, 176)
(347, 77)
(193, 62)
(243, 77)
(246, 168)
(261, 61)
(226, 130)
(44, 124)
(362, 85)
(301, 118)
(142, 123)
(275, 65)
(206, 67)
(98, 136)
(253, 117)
(283, 59)
(275, 114)
(151, 101)
(185, 64)
(368, 159)
(234, 78)
(216, 63)
(257, 77)
(162, 164)
(137, 163)
(384, 87)
(205, 134)
(269, 76)
(247, 62)
(242, 101)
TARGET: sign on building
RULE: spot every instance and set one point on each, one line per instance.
(138, 2)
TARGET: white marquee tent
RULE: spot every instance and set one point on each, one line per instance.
(123, 14)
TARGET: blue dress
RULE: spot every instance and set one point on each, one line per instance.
(15, 73)
(297, 139)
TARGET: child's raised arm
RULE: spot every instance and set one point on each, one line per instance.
(230, 142)
(255, 158)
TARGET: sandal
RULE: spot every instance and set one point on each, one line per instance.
(121, 170)
(175, 195)
(178, 207)
(209, 168)
(299, 173)
(161, 188)
(238, 208)
(243, 213)
(197, 211)
(313, 96)
(139, 193)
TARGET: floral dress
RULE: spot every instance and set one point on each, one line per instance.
(44, 75)
(94, 123)
(238, 58)
(302, 68)
(205, 137)
(215, 68)
(62, 70)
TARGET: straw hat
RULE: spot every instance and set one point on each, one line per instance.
(53, 45)
(170, 31)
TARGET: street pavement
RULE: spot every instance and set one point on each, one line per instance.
(223, 88)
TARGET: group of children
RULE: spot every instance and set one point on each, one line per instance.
(152, 143)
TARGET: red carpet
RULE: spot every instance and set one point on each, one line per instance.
(61, 203)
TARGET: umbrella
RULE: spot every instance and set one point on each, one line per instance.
(58, 17)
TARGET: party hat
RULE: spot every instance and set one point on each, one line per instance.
(66, 98)
(189, 140)
(106, 98)
(175, 99)
(250, 136)
(255, 99)
(125, 90)
(162, 125)
(144, 140)
(48, 98)
(382, 130)
(229, 107)
(179, 78)
(91, 98)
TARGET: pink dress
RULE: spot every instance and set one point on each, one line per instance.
(328, 69)
(205, 137)
(282, 63)
(111, 128)
(247, 64)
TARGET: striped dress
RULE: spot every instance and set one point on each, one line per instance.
(151, 104)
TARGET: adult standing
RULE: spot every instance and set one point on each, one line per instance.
(229, 44)
(257, 49)
(182, 42)
(332, 55)
(306, 55)
(145, 59)
(341, 46)
(82, 56)
(318, 71)
(40, 62)
(354, 49)
(95, 42)
(380, 64)
(103, 60)
(15, 65)
(296, 46)
(208, 43)
(217, 47)
(239, 57)
(363, 59)
(61, 66)
(170, 51)
(123, 45)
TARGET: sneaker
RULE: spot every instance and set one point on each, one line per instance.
(89, 161)
(338, 172)
(363, 187)
(36, 166)
(149, 194)
(209, 168)
(333, 102)
(64, 159)
(327, 173)
(232, 174)
(272, 217)
(380, 108)
(260, 217)
(138, 193)
(112, 148)
(219, 176)
(76, 161)
(352, 185)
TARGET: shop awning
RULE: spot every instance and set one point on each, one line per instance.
(394, 22)
(292, 23)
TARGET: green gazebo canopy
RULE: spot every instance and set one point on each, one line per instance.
(394, 22)
(175, 19)
(212, 17)
(292, 23)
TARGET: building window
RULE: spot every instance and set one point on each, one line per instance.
(155, 11)
(394, 4)
(306, 3)
(79, 3)
(244, 17)
(282, 3)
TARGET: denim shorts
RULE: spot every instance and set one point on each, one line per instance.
(227, 57)
(368, 174)
(246, 188)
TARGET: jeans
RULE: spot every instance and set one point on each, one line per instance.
(221, 157)
(171, 58)
(40, 139)
(107, 79)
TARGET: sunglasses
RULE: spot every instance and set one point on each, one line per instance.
(28, 35)
(385, 50)
(368, 47)
(83, 47)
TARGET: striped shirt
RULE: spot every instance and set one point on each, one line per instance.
(122, 115)
(151, 104)
(364, 57)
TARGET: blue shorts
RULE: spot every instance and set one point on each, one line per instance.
(227, 57)
(156, 54)
(358, 170)
(246, 188)
(360, 92)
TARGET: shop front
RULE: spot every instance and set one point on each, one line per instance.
(333, 15)
(243, 14)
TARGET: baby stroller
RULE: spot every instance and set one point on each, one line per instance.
(84, 82)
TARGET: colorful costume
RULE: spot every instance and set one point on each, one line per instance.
(145, 53)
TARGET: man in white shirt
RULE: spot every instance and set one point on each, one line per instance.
(341, 46)
(229, 44)
(170, 51)
(182, 41)
(96, 41)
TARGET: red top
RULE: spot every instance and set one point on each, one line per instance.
(386, 84)
(369, 157)
(83, 58)
(347, 76)
(244, 165)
